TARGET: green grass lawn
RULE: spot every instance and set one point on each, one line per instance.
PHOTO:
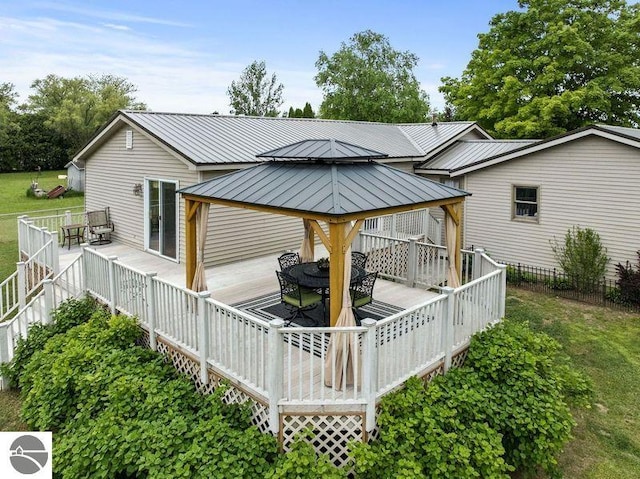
(14, 202)
(605, 344)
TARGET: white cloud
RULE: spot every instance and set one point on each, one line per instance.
(116, 27)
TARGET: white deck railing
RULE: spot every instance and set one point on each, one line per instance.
(55, 222)
(284, 365)
(418, 223)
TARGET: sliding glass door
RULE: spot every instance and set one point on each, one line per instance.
(162, 218)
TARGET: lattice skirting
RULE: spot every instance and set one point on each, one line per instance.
(331, 432)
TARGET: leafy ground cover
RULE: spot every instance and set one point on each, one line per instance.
(14, 202)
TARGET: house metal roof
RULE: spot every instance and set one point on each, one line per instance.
(205, 140)
(467, 152)
(324, 188)
(622, 130)
(330, 149)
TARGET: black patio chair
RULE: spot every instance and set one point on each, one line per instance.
(358, 259)
(296, 297)
(362, 293)
(287, 260)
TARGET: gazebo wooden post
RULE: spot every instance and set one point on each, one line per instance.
(191, 209)
(336, 269)
(453, 210)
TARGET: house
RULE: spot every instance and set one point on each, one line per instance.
(75, 175)
(525, 194)
(135, 164)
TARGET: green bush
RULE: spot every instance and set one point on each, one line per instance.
(582, 257)
(70, 313)
(506, 409)
(629, 282)
(118, 410)
(302, 462)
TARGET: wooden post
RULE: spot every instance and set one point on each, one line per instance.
(274, 374)
(203, 335)
(336, 270)
(369, 372)
(49, 300)
(447, 326)
(112, 284)
(151, 310)
(191, 209)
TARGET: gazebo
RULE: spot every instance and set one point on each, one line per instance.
(322, 180)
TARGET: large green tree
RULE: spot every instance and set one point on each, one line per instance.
(8, 97)
(553, 66)
(367, 79)
(77, 107)
(255, 93)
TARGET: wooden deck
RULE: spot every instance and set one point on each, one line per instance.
(236, 282)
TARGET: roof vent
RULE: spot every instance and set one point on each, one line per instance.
(434, 118)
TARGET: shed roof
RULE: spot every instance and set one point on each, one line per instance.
(205, 140)
(324, 188)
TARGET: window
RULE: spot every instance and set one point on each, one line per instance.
(128, 142)
(525, 202)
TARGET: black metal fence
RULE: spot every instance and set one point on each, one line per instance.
(604, 292)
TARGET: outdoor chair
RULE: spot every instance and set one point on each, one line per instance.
(287, 260)
(362, 293)
(358, 259)
(100, 226)
(296, 297)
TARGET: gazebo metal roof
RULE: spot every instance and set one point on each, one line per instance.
(323, 188)
(330, 149)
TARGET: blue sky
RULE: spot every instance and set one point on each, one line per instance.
(182, 55)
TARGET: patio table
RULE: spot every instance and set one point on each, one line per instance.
(310, 276)
(72, 232)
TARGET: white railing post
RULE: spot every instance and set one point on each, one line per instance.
(49, 300)
(67, 218)
(112, 284)
(356, 245)
(151, 310)
(274, 374)
(203, 335)
(4, 352)
(393, 225)
(55, 257)
(447, 326)
(369, 372)
(502, 297)
(477, 263)
(22, 284)
(23, 235)
(412, 259)
(84, 262)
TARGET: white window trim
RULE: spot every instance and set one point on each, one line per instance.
(526, 219)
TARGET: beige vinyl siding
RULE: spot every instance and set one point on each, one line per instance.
(113, 170)
(591, 182)
(238, 233)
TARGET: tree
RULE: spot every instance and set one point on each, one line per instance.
(307, 111)
(555, 66)
(367, 79)
(8, 97)
(255, 93)
(77, 107)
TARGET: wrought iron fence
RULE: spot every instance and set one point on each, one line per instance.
(603, 292)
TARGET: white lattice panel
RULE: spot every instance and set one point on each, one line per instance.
(332, 434)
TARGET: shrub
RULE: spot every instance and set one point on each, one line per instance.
(119, 410)
(530, 382)
(302, 462)
(629, 282)
(70, 313)
(505, 409)
(431, 433)
(582, 257)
